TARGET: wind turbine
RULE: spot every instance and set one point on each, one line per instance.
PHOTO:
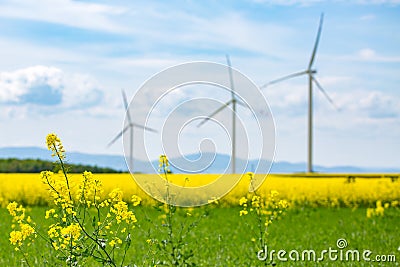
(233, 101)
(131, 125)
(310, 72)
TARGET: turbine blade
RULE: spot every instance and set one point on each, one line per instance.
(324, 92)
(118, 135)
(241, 104)
(316, 41)
(215, 112)
(284, 78)
(145, 128)
(126, 106)
(228, 61)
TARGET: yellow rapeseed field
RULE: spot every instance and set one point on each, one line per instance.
(326, 191)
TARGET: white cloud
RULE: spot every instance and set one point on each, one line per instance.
(288, 2)
(368, 17)
(378, 2)
(30, 86)
(42, 88)
(71, 13)
(291, 99)
(374, 104)
(367, 54)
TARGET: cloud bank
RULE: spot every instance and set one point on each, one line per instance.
(40, 88)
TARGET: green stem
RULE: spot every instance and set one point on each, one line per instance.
(96, 241)
(259, 217)
(25, 258)
(127, 245)
(169, 214)
(63, 170)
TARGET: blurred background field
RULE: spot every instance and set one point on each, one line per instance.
(314, 191)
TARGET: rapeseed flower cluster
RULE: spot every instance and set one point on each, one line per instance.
(63, 237)
(265, 208)
(21, 224)
(84, 225)
(59, 191)
(379, 210)
(270, 208)
(89, 190)
(54, 144)
(163, 165)
(121, 213)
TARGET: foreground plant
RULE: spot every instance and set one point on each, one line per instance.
(24, 232)
(266, 210)
(382, 208)
(168, 244)
(84, 228)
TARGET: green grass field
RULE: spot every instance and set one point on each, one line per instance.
(222, 238)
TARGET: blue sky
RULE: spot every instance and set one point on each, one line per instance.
(63, 64)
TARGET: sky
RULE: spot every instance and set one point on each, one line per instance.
(63, 65)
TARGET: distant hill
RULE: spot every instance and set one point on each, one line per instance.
(220, 162)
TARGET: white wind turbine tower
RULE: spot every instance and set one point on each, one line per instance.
(310, 72)
(129, 127)
(233, 101)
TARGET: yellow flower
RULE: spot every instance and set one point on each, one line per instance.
(136, 200)
(71, 232)
(379, 211)
(17, 212)
(116, 194)
(370, 212)
(255, 202)
(16, 238)
(54, 244)
(54, 144)
(47, 177)
(243, 212)
(283, 204)
(242, 201)
(26, 230)
(213, 200)
(12, 208)
(163, 165)
(274, 193)
(49, 213)
(53, 231)
(51, 140)
(250, 175)
(121, 212)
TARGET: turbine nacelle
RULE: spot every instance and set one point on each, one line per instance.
(311, 72)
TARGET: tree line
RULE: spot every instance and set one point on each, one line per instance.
(13, 165)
